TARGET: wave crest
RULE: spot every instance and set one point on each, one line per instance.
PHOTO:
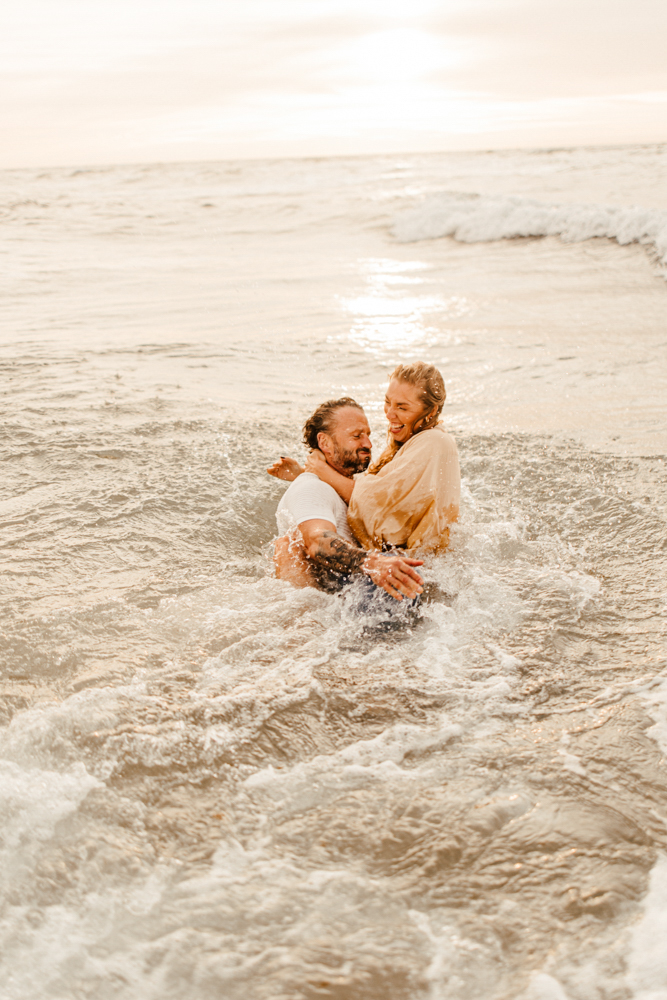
(474, 218)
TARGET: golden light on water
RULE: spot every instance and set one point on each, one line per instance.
(385, 318)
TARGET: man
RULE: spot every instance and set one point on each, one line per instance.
(318, 548)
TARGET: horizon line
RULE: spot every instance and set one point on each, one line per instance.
(559, 148)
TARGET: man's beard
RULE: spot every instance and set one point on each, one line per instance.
(350, 461)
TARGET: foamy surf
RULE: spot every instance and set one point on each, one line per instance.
(212, 784)
(476, 218)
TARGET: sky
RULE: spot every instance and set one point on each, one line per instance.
(127, 81)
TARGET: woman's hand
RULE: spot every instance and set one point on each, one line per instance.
(315, 461)
(286, 469)
(318, 464)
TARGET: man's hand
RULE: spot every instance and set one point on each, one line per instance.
(327, 550)
(394, 574)
(285, 468)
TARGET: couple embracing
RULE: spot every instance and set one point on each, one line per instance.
(336, 528)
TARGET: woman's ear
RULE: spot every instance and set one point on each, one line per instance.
(426, 420)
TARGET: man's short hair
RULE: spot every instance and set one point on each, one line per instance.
(323, 419)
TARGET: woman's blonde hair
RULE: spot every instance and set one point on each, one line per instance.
(430, 386)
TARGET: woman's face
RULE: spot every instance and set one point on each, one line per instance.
(403, 409)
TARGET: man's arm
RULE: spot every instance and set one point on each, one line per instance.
(325, 547)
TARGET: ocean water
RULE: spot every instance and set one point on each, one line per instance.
(215, 786)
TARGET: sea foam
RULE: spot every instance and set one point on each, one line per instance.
(474, 218)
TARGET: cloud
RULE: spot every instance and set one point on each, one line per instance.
(96, 80)
(560, 48)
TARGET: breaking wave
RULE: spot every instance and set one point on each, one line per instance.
(473, 218)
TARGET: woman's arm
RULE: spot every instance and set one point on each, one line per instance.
(317, 463)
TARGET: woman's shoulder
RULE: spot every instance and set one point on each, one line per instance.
(434, 439)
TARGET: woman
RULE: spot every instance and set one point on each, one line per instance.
(410, 496)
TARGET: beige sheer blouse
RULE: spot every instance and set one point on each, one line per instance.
(412, 500)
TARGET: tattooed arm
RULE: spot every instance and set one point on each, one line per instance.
(329, 552)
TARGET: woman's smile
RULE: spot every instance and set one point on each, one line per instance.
(402, 407)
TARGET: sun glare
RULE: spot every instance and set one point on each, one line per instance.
(393, 58)
(384, 318)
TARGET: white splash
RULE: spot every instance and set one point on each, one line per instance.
(473, 218)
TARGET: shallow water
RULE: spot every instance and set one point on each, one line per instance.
(213, 785)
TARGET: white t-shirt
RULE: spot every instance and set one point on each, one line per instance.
(308, 498)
